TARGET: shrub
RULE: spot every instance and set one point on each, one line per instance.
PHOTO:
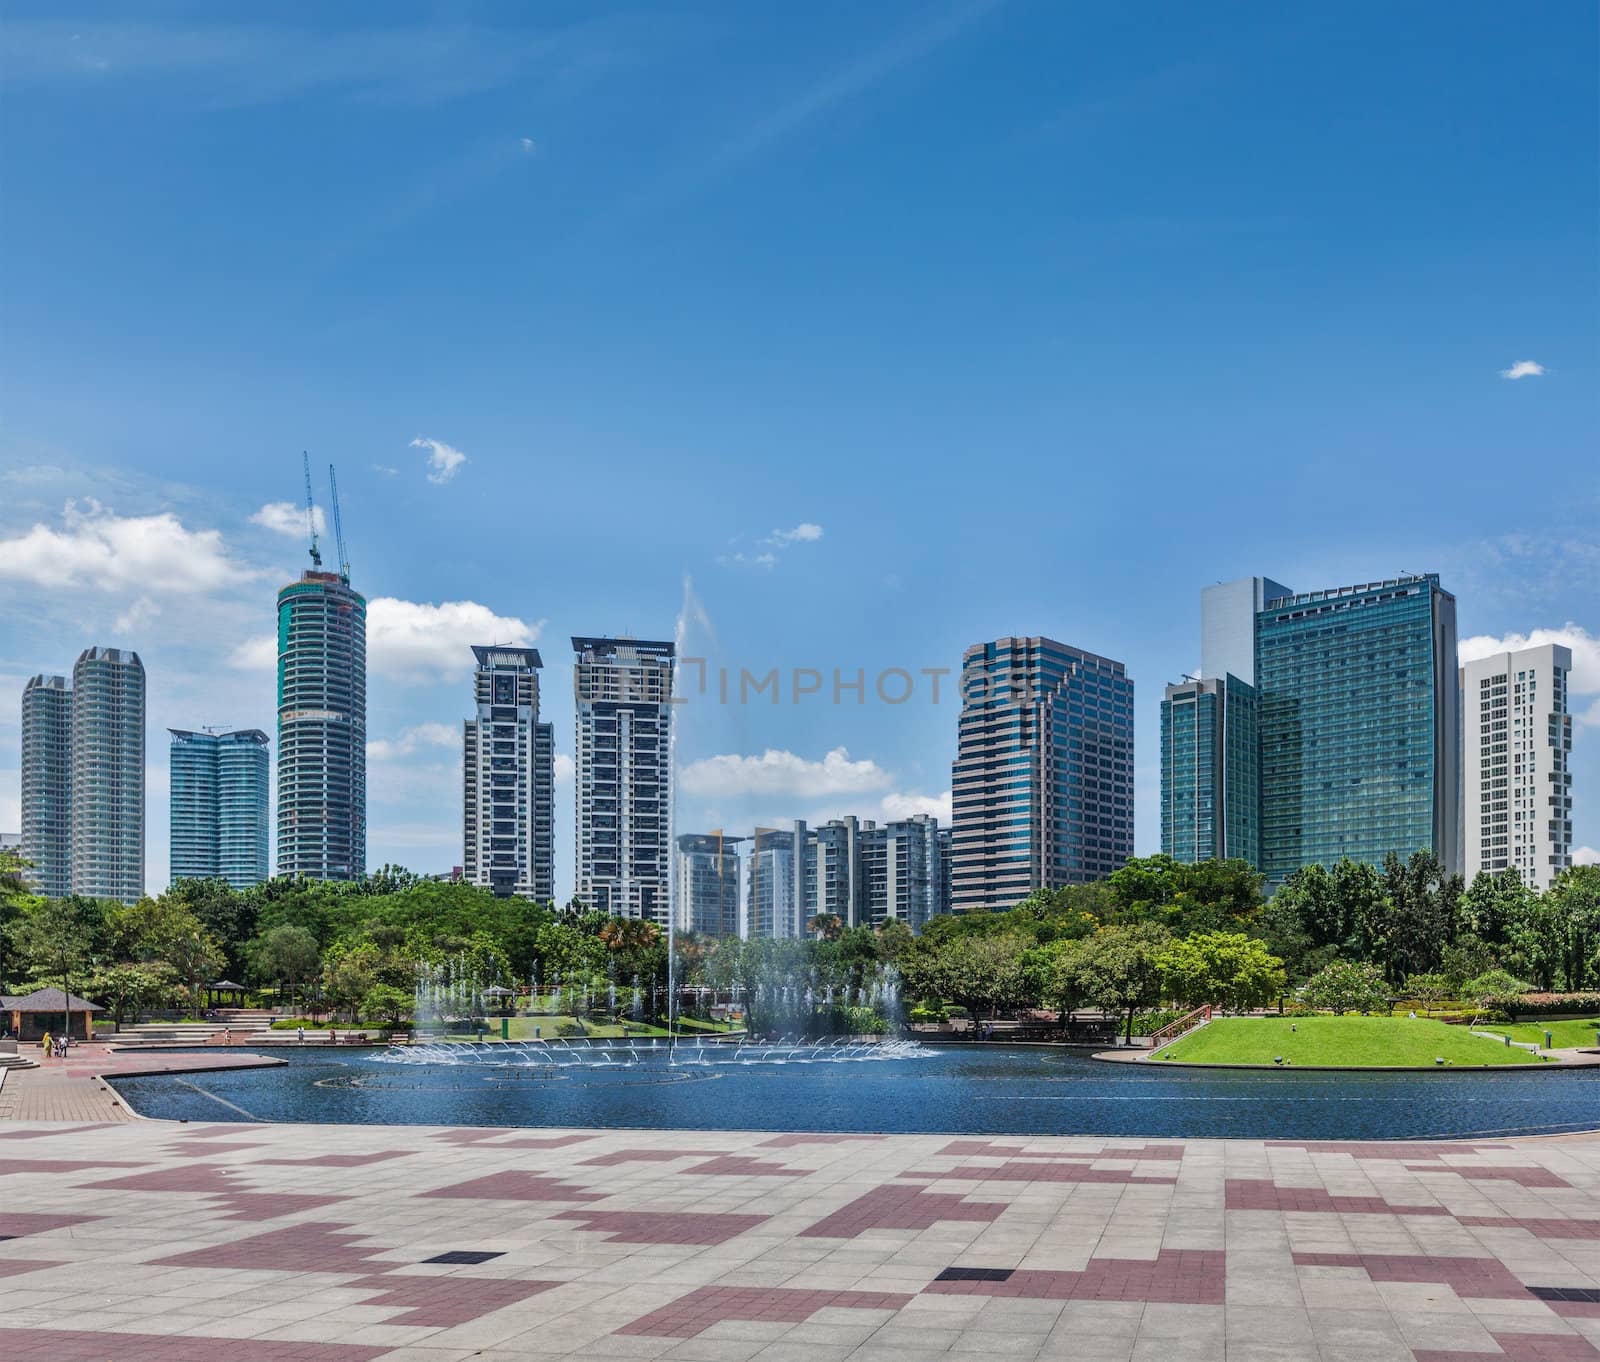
(929, 1014)
(294, 1023)
(1516, 1005)
(1345, 986)
(1146, 1023)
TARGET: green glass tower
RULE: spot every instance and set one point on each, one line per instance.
(1210, 785)
(1360, 725)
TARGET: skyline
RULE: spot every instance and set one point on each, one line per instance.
(888, 333)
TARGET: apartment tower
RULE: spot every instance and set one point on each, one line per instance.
(1517, 788)
(322, 728)
(47, 784)
(508, 779)
(622, 689)
(708, 883)
(220, 794)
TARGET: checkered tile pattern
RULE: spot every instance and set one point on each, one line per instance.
(257, 1243)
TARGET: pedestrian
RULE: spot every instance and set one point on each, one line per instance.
(46, 1046)
(300, 1034)
(333, 1035)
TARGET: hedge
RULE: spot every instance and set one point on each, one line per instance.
(1516, 1005)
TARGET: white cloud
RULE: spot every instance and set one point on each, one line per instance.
(528, 145)
(258, 654)
(777, 772)
(444, 461)
(410, 739)
(388, 470)
(898, 805)
(136, 616)
(284, 517)
(1583, 679)
(803, 533)
(416, 642)
(765, 561)
(1586, 856)
(97, 548)
(1523, 368)
(564, 768)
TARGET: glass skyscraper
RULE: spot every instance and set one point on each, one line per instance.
(322, 728)
(1360, 725)
(708, 883)
(220, 791)
(1210, 785)
(1043, 777)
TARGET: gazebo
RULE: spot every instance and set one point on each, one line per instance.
(30, 1015)
(224, 986)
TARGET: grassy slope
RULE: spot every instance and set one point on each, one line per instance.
(1338, 1040)
(1564, 1035)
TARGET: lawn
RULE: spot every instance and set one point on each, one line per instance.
(1564, 1035)
(1354, 1041)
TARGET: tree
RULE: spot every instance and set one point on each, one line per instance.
(132, 987)
(1493, 905)
(385, 1005)
(1423, 917)
(1116, 969)
(1347, 986)
(55, 938)
(1576, 896)
(1228, 969)
(288, 954)
(825, 926)
(987, 972)
(1429, 989)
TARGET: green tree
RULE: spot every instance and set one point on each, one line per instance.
(1347, 986)
(1116, 969)
(1429, 989)
(55, 938)
(1423, 915)
(1227, 969)
(286, 954)
(1576, 898)
(1493, 904)
(385, 1005)
(132, 987)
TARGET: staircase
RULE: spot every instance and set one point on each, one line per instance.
(241, 1026)
(1185, 1024)
(17, 1062)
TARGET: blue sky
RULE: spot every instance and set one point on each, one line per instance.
(1037, 317)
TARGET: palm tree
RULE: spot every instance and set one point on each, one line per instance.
(826, 926)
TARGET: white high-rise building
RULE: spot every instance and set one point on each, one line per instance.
(1517, 790)
(108, 762)
(508, 779)
(622, 688)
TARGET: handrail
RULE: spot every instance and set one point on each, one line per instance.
(1173, 1030)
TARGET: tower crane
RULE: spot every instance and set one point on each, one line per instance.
(311, 513)
(338, 525)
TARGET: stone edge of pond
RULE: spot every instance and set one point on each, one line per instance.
(1586, 1059)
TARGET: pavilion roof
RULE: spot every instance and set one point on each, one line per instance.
(47, 1000)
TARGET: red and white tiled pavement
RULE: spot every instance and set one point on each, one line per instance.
(155, 1242)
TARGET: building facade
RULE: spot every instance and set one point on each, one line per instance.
(47, 784)
(1516, 781)
(322, 728)
(220, 793)
(1043, 778)
(1210, 765)
(622, 689)
(108, 737)
(900, 872)
(508, 779)
(708, 884)
(1360, 725)
(775, 883)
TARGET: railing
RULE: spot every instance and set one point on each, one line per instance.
(1199, 1017)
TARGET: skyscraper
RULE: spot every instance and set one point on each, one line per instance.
(108, 711)
(1517, 790)
(47, 784)
(622, 689)
(708, 883)
(508, 779)
(1210, 770)
(220, 791)
(900, 872)
(775, 885)
(1360, 725)
(1043, 777)
(322, 728)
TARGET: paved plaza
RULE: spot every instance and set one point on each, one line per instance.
(146, 1240)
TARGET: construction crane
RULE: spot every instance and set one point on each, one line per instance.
(338, 525)
(311, 513)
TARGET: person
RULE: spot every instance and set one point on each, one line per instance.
(46, 1046)
(227, 1035)
(333, 1035)
(300, 1033)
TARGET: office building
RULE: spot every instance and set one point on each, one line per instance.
(508, 779)
(622, 689)
(220, 792)
(1360, 725)
(708, 883)
(1517, 788)
(47, 784)
(1228, 613)
(946, 858)
(322, 728)
(1210, 769)
(108, 717)
(1043, 777)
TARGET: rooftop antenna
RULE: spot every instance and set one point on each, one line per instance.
(338, 526)
(311, 513)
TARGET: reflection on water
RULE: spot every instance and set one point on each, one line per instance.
(989, 1090)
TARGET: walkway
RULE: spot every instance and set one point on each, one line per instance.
(70, 1089)
(263, 1243)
